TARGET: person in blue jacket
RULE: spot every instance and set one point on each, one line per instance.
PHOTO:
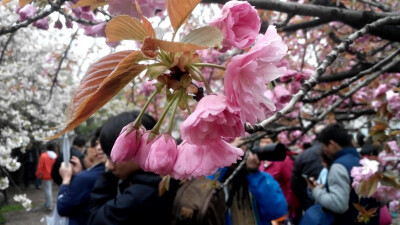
(74, 193)
(254, 197)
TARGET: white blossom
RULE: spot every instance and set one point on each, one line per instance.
(4, 183)
(13, 165)
(26, 202)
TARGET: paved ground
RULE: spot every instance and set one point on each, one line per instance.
(37, 214)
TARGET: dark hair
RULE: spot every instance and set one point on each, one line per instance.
(370, 150)
(51, 146)
(325, 158)
(336, 133)
(113, 126)
(80, 142)
(95, 137)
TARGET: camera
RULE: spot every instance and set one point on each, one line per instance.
(270, 152)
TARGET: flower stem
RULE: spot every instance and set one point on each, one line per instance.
(210, 65)
(187, 105)
(156, 129)
(172, 118)
(138, 120)
(206, 85)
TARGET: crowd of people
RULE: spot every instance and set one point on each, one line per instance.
(312, 187)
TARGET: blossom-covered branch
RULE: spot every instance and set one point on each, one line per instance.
(55, 7)
(353, 18)
(310, 83)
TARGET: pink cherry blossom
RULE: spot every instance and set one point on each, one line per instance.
(393, 146)
(127, 144)
(199, 160)
(389, 158)
(143, 151)
(147, 88)
(240, 24)
(162, 155)
(283, 138)
(98, 30)
(393, 103)
(382, 88)
(128, 7)
(386, 193)
(69, 24)
(58, 24)
(212, 120)
(281, 95)
(367, 169)
(247, 75)
(26, 12)
(394, 206)
(41, 24)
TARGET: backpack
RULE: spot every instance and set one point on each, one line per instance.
(199, 202)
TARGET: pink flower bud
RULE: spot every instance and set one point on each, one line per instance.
(127, 144)
(162, 155)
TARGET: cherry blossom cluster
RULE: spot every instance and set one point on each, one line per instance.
(371, 173)
(25, 202)
(218, 118)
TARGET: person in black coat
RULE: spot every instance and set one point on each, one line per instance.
(125, 194)
(308, 163)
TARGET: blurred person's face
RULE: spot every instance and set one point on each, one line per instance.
(331, 149)
(122, 169)
(94, 155)
(265, 141)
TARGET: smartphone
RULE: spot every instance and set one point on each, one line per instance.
(305, 176)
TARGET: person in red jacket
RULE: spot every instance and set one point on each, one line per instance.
(43, 172)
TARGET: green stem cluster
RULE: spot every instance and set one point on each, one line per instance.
(138, 121)
(156, 129)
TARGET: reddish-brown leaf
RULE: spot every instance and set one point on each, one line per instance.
(104, 80)
(179, 11)
(92, 3)
(125, 28)
(149, 27)
(5, 2)
(146, 23)
(23, 3)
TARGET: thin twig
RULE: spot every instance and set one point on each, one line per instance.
(5, 46)
(353, 79)
(55, 7)
(358, 87)
(60, 64)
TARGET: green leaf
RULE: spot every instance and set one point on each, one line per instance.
(204, 36)
(155, 70)
(390, 178)
(174, 47)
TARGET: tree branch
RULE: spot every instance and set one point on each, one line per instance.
(354, 18)
(60, 64)
(358, 87)
(312, 81)
(12, 29)
(5, 46)
(304, 25)
(353, 79)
